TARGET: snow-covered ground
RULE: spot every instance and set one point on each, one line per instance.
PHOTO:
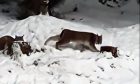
(71, 66)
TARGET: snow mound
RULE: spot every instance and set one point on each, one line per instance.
(70, 66)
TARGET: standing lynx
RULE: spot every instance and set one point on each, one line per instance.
(84, 39)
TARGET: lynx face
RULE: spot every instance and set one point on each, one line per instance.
(99, 41)
(19, 38)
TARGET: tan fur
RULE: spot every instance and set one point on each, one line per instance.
(111, 49)
(25, 48)
(80, 38)
(6, 43)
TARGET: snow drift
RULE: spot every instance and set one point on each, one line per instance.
(70, 66)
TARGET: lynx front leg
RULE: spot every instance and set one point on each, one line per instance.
(57, 45)
(93, 48)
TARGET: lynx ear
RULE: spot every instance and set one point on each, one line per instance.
(23, 36)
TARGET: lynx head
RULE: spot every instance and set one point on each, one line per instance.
(99, 39)
(19, 38)
(115, 49)
(115, 52)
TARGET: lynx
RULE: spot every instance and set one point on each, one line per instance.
(6, 43)
(85, 39)
(111, 49)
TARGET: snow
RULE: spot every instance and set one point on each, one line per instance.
(71, 66)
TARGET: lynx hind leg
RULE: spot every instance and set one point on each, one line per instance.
(10, 50)
(83, 48)
(61, 42)
(5, 48)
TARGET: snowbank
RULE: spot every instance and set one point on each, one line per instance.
(71, 66)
